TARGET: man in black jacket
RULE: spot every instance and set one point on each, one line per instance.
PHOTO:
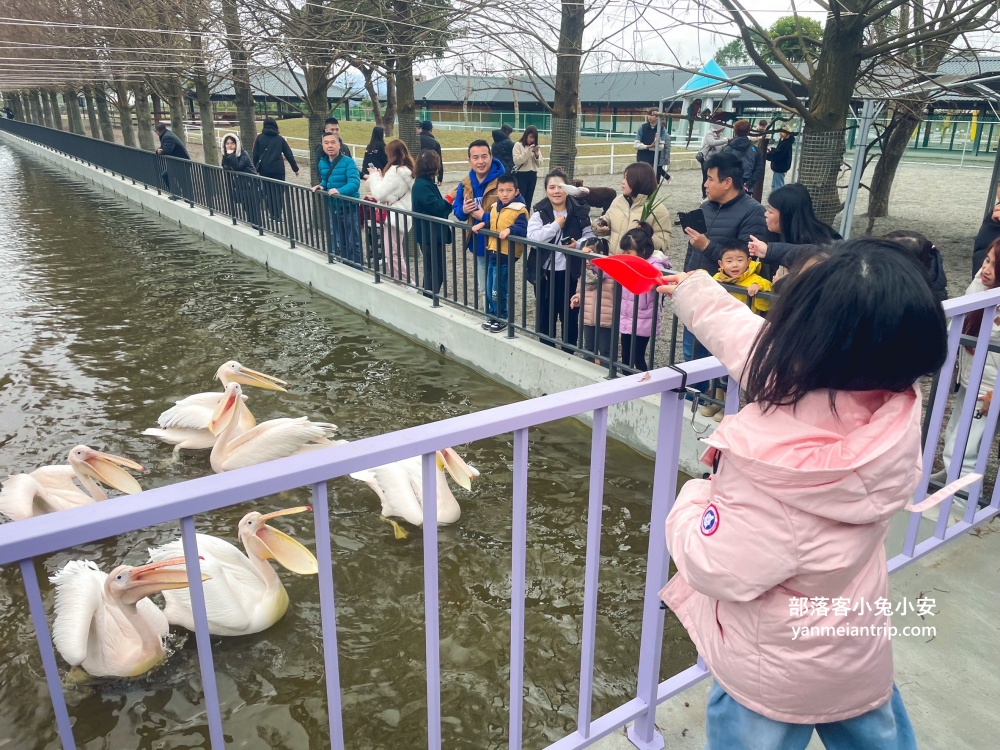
(171, 145)
(429, 143)
(729, 213)
(332, 125)
(781, 157)
(503, 147)
(753, 161)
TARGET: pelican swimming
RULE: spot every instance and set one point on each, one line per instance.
(105, 624)
(399, 486)
(185, 424)
(244, 594)
(52, 488)
(276, 438)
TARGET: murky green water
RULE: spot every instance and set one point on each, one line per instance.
(108, 315)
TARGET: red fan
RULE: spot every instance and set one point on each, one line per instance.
(632, 272)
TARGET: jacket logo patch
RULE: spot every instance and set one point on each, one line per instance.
(710, 520)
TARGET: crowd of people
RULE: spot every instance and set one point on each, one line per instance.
(750, 247)
(807, 476)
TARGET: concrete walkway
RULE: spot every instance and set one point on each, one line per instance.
(950, 682)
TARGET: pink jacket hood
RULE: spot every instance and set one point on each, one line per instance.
(844, 471)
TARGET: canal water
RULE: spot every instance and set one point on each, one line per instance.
(109, 314)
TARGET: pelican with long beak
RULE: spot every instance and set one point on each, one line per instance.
(105, 624)
(185, 424)
(53, 488)
(244, 594)
(399, 486)
(275, 438)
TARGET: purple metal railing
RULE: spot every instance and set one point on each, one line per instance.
(24, 541)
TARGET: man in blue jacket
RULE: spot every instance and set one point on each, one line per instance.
(339, 176)
(474, 197)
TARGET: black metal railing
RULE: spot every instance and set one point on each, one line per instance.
(388, 242)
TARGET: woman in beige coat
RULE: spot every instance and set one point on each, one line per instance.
(626, 210)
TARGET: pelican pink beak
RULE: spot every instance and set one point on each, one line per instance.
(226, 407)
(461, 472)
(237, 373)
(107, 469)
(269, 543)
(145, 580)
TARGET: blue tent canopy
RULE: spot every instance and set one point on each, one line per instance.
(708, 77)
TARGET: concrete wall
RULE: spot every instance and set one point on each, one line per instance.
(521, 363)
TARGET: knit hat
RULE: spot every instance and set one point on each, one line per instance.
(426, 125)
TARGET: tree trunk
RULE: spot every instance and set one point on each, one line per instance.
(406, 105)
(18, 107)
(46, 106)
(36, 108)
(893, 150)
(823, 138)
(95, 126)
(104, 114)
(71, 97)
(157, 107)
(125, 115)
(240, 72)
(57, 120)
(143, 118)
(317, 81)
(567, 87)
(373, 98)
(204, 96)
(177, 106)
(391, 103)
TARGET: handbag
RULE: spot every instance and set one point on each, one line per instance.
(368, 213)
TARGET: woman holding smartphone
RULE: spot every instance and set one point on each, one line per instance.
(560, 220)
(625, 212)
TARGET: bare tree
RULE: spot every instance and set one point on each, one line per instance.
(855, 42)
(545, 53)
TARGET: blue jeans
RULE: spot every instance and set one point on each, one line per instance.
(482, 280)
(693, 350)
(497, 272)
(730, 726)
(777, 180)
(345, 232)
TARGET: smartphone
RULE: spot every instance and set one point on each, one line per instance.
(568, 241)
(694, 219)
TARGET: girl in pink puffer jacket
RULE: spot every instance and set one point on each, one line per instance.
(639, 241)
(807, 477)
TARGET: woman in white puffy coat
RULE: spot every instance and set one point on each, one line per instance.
(987, 278)
(391, 187)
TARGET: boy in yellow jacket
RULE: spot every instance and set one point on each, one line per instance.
(736, 268)
(508, 216)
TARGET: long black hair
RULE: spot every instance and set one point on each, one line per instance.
(799, 224)
(864, 319)
(377, 143)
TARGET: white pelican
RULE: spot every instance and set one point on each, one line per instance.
(399, 486)
(244, 595)
(51, 488)
(275, 438)
(185, 424)
(105, 624)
